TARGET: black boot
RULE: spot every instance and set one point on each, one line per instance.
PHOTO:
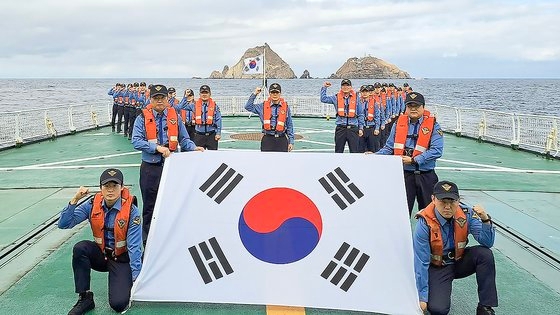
(85, 303)
(484, 310)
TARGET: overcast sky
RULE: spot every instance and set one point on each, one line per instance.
(182, 39)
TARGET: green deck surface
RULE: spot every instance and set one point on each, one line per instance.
(37, 180)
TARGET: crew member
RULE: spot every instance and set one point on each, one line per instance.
(441, 253)
(418, 139)
(158, 132)
(117, 249)
(276, 119)
(186, 111)
(370, 140)
(208, 120)
(349, 116)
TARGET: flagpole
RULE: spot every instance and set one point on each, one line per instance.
(264, 72)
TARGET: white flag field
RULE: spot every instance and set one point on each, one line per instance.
(253, 65)
(296, 229)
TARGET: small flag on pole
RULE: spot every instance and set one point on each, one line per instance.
(253, 65)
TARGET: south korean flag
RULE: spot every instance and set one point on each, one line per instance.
(296, 229)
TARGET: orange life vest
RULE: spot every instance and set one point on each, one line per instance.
(460, 232)
(184, 116)
(97, 221)
(282, 114)
(209, 115)
(172, 127)
(424, 135)
(371, 109)
(351, 104)
(384, 99)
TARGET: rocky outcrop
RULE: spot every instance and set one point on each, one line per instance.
(369, 68)
(216, 75)
(276, 68)
(305, 75)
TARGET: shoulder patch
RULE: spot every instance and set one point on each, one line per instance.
(475, 215)
(440, 132)
(136, 220)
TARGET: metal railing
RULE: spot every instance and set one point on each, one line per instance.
(529, 132)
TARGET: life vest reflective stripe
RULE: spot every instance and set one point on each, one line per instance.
(211, 109)
(351, 104)
(172, 127)
(436, 241)
(280, 119)
(424, 135)
(97, 221)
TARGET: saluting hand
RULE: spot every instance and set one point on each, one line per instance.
(327, 84)
(81, 193)
(258, 90)
(480, 212)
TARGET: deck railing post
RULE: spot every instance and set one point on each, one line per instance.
(71, 126)
(17, 137)
(459, 124)
(516, 131)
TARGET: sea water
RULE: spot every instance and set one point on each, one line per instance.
(524, 96)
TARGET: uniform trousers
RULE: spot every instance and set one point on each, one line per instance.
(114, 115)
(346, 134)
(150, 175)
(476, 259)
(118, 114)
(369, 141)
(206, 140)
(419, 186)
(271, 143)
(87, 256)
(128, 112)
(190, 131)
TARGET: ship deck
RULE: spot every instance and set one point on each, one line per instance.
(519, 189)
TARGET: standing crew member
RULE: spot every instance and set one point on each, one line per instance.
(186, 111)
(441, 253)
(208, 120)
(349, 116)
(115, 222)
(369, 142)
(157, 132)
(418, 138)
(275, 115)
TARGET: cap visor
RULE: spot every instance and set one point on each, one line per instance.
(115, 180)
(158, 93)
(414, 102)
(453, 196)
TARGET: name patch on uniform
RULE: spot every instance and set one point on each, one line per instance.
(425, 130)
(121, 223)
(461, 221)
(136, 220)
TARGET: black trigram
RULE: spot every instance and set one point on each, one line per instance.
(221, 181)
(212, 260)
(352, 265)
(344, 188)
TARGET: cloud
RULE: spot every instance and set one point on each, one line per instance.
(191, 38)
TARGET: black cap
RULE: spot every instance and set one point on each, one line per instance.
(384, 84)
(414, 98)
(158, 89)
(405, 84)
(136, 84)
(142, 83)
(446, 190)
(205, 88)
(370, 87)
(346, 82)
(363, 88)
(111, 175)
(275, 87)
(377, 85)
(171, 90)
(391, 85)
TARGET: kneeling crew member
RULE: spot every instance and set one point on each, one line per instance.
(441, 253)
(115, 222)
(276, 119)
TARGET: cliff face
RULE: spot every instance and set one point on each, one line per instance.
(369, 68)
(276, 68)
